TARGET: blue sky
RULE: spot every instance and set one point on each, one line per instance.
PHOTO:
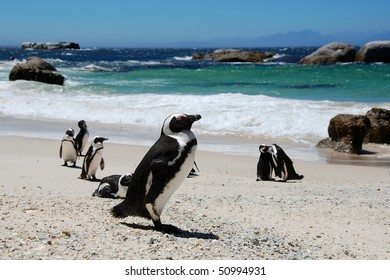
(129, 23)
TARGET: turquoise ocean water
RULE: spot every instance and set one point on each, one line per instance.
(138, 88)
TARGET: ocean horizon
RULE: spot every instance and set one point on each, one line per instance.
(278, 101)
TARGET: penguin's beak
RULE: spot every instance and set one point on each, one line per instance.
(99, 139)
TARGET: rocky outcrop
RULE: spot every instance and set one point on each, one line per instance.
(346, 133)
(50, 45)
(234, 55)
(36, 69)
(376, 51)
(330, 54)
(380, 126)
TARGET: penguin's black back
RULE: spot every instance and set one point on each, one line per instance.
(264, 166)
(133, 204)
(79, 138)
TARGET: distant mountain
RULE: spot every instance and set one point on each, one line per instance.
(305, 38)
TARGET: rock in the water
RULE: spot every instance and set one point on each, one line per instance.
(376, 51)
(36, 69)
(330, 54)
(380, 126)
(50, 45)
(234, 55)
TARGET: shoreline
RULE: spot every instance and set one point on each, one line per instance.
(335, 212)
(374, 154)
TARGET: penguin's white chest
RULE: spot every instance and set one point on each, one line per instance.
(95, 163)
(84, 141)
(175, 182)
(69, 153)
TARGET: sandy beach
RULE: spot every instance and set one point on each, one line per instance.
(335, 212)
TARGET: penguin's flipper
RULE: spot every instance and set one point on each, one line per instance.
(102, 164)
(61, 151)
(159, 169)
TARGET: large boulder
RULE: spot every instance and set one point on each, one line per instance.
(346, 133)
(234, 55)
(376, 51)
(36, 69)
(330, 54)
(380, 126)
(50, 45)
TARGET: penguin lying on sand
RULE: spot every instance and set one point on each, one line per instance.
(93, 159)
(265, 165)
(68, 150)
(161, 172)
(283, 164)
(82, 137)
(114, 186)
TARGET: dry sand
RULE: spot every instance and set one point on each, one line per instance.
(336, 211)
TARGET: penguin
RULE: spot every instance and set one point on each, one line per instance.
(284, 168)
(161, 171)
(68, 150)
(113, 186)
(265, 165)
(82, 137)
(93, 159)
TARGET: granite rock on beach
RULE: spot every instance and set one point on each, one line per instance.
(36, 69)
(341, 212)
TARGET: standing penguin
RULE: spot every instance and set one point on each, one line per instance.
(68, 150)
(283, 164)
(93, 159)
(265, 165)
(161, 172)
(82, 137)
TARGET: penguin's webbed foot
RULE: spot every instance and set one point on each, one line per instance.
(93, 179)
(296, 177)
(65, 164)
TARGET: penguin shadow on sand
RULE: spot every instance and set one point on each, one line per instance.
(175, 231)
(273, 159)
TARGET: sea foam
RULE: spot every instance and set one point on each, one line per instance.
(222, 114)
